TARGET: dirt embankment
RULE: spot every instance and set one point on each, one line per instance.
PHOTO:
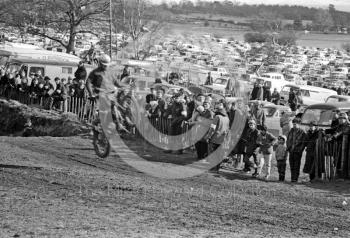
(56, 187)
(17, 118)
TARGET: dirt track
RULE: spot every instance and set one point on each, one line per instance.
(56, 187)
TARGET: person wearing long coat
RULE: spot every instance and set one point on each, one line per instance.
(260, 93)
(311, 138)
(295, 146)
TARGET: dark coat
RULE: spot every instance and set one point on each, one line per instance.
(254, 93)
(296, 144)
(81, 73)
(260, 94)
(310, 141)
(150, 97)
(154, 113)
(340, 131)
(267, 94)
(251, 141)
(275, 98)
(311, 138)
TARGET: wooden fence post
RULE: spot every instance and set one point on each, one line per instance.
(343, 155)
(348, 159)
(317, 154)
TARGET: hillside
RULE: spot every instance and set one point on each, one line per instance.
(56, 187)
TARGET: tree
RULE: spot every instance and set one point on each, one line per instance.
(149, 39)
(298, 24)
(272, 20)
(256, 37)
(139, 22)
(346, 47)
(58, 20)
(323, 19)
(286, 39)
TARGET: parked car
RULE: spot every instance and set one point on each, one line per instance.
(323, 113)
(309, 94)
(273, 114)
(337, 98)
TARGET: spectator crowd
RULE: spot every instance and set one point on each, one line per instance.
(255, 148)
(42, 88)
(257, 145)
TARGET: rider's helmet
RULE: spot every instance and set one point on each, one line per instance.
(104, 60)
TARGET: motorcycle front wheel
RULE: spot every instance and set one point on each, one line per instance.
(101, 144)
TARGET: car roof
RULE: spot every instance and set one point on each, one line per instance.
(339, 96)
(308, 87)
(140, 78)
(277, 106)
(43, 62)
(330, 106)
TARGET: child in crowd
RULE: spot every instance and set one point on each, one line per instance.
(281, 157)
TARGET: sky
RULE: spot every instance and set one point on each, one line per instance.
(342, 5)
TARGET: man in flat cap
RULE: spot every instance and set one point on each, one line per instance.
(295, 146)
(311, 138)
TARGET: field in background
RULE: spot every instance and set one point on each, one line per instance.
(310, 40)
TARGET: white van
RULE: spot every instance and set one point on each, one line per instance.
(309, 94)
(51, 68)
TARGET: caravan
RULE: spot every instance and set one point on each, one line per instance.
(50, 68)
(22, 51)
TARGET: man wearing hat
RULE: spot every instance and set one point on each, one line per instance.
(251, 145)
(296, 141)
(311, 138)
(178, 115)
(338, 132)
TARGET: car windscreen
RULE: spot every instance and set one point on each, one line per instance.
(332, 100)
(220, 81)
(323, 117)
